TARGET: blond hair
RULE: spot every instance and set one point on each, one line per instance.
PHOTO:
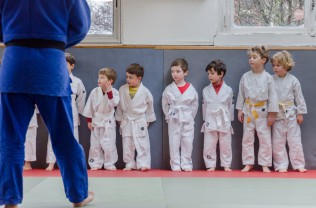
(109, 73)
(284, 58)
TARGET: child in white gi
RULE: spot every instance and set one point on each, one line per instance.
(257, 105)
(78, 98)
(292, 107)
(134, 113)
(99, 111)
(218, 112)
(180, 105)
(30, 143)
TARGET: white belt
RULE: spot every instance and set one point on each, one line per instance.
(287, 108)
(180, 115)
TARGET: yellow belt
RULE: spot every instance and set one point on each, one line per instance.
(257, 104)
(253, 111)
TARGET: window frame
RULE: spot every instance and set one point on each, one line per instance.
(116, 36)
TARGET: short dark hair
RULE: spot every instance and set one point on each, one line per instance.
(217, 65)
(182, 63)
(136, 69)
(109, 73)
(70, 58)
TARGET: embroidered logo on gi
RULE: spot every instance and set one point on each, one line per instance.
(263, 109)
(142, 128)
(91, 160)
(207, 124)
(208, 157)
(109, 121)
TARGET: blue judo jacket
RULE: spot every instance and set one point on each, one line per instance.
(34, 70)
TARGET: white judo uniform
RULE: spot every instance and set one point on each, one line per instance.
(180, 111)
(218, 112)
(101, 109)
(286, 128)
(134, 115)
(257, 96)
(78, 98)
(30, 139)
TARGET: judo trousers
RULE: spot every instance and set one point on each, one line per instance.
(16, 110)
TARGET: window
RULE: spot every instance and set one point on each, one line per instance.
(269, 13)
(104, 21)
(268, 16)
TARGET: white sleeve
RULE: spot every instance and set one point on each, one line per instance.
(80, 97)
(273, 103)
(115, 100)
(241, 95)
(88, 109)
(195, 104)
(299, 98)
(165, 104)
(150, 112)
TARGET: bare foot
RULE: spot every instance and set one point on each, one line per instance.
(27, 165)
(265, 169)
(247, 168)
(282, 171)
(50, 166)
(86, 201)
(127, 169)
(187, 170)
(10, 206)
(302, 170)
(111, 169)
(177, 170)
(144, 169)
(95, 169)
(210, 169)
(227, 169)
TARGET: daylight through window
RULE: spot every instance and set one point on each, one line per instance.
(269, 13)
(101, 17)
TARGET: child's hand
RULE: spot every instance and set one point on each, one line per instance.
(108, 86)
(240, 116)
(299, 118)
(90, 126)
(271, 118)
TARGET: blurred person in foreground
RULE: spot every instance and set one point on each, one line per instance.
(34, 72)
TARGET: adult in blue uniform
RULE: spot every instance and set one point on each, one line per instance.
(34, 71)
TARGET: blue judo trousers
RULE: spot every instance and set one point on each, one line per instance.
(34, 72)
(15, 114)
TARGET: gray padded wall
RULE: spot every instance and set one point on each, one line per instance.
(198, 59)
(157, 77)
(237, 64)
(89, 61)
